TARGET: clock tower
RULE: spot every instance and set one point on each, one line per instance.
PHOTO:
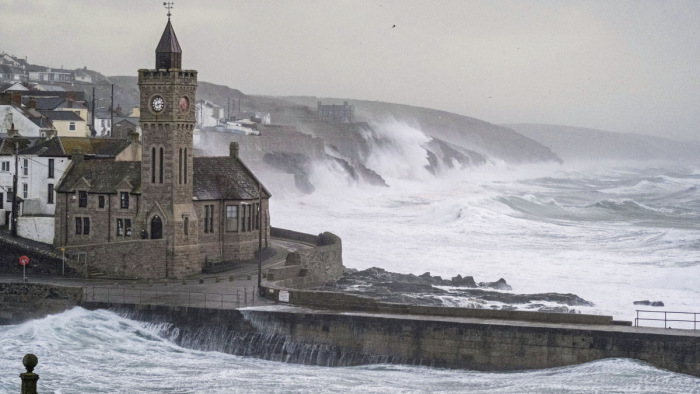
(167, 97)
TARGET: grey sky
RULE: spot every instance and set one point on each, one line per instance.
(628, 66)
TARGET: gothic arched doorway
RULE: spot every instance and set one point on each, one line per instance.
(156, 228)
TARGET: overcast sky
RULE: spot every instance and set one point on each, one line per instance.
(628, 66)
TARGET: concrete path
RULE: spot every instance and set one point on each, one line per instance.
(227, 290)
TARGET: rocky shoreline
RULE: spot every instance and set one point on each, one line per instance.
(462, 291)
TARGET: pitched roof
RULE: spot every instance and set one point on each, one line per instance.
(62, 115)
(103, 176)
(168, 41)
(224, 177)
(43, 103)
(7, 146)
(63, 146)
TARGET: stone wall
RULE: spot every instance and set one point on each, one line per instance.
(42, 259)
(137, 259)
(25, 301)
(307, 268)
(37, 228)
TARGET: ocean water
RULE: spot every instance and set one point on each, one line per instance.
(84, 351)
(610, 233)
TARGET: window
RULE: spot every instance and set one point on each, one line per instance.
(6, 166)
(124, 200)
(82, 199)
(25, 190)
(160, 165)
(78, 225)
(231, 218)
(51, 168)
(49, 196)
(153, 165)
(86, 226)
(186, 226)
(179, 168)
(71, 126)
(127, 227)
(9, 194)
(206, 218)
(120, 227)
(101, 201)
(2, 201)
(25, 167)
(243, 217)
(250, 216)
(211, 219)
(184, 167)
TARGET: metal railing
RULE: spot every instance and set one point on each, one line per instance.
(116, 295)
(668, 317)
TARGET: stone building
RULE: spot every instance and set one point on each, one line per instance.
(336, 113)
(170, 213)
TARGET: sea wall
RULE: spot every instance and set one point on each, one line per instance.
(307, 268)
(25, 301)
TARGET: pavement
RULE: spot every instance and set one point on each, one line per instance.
(228, 290)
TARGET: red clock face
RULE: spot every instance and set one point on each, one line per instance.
(184, 104)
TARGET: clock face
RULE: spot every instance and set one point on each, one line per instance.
(184, 104)
(157, 104)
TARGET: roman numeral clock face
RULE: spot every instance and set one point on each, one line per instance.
(157, 104)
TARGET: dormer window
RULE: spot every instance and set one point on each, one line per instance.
(82, 199)
(124, 199)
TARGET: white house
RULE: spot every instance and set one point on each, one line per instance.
(208, 114)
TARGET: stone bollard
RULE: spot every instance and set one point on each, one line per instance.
(29, 378)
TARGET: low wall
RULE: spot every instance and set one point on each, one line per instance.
(307, 268)
(348, 302)
(37, 228)
(122, 259)
(25, 301)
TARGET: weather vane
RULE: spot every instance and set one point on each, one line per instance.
(169, 6)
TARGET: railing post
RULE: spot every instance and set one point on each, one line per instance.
(29, 378)
(205, 300)
(665, 325)
(245, 296)
(238, 297)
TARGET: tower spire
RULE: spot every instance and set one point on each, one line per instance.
(168, 52)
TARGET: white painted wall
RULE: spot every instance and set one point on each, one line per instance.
(206, 115)
(37, 228)
(38, 179)
(10, 114)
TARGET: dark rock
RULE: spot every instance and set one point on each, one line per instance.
(467, 281)
(498, 285)
(657, 303)
(645, 302)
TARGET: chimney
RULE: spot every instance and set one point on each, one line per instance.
(12, 132)
(32, 103)
(233, 149)
(77, 154)
(134, 137)
(49, 133)
(69, 102)
(17, 99)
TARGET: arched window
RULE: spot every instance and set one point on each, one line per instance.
(161, 165)
(153, 165)
(186, 226)
(156, 228)
(185, 166)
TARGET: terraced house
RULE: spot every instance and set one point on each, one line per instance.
(169, 213)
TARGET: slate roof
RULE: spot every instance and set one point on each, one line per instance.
(102, 176)
(63, 146)
(43, 103)
(62, 115)
(7, 147)
(168, 41)
(226, 178)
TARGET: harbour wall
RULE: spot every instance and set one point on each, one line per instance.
(344, 338)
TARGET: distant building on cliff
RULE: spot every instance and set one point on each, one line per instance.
(336, 113)
(169, 213)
